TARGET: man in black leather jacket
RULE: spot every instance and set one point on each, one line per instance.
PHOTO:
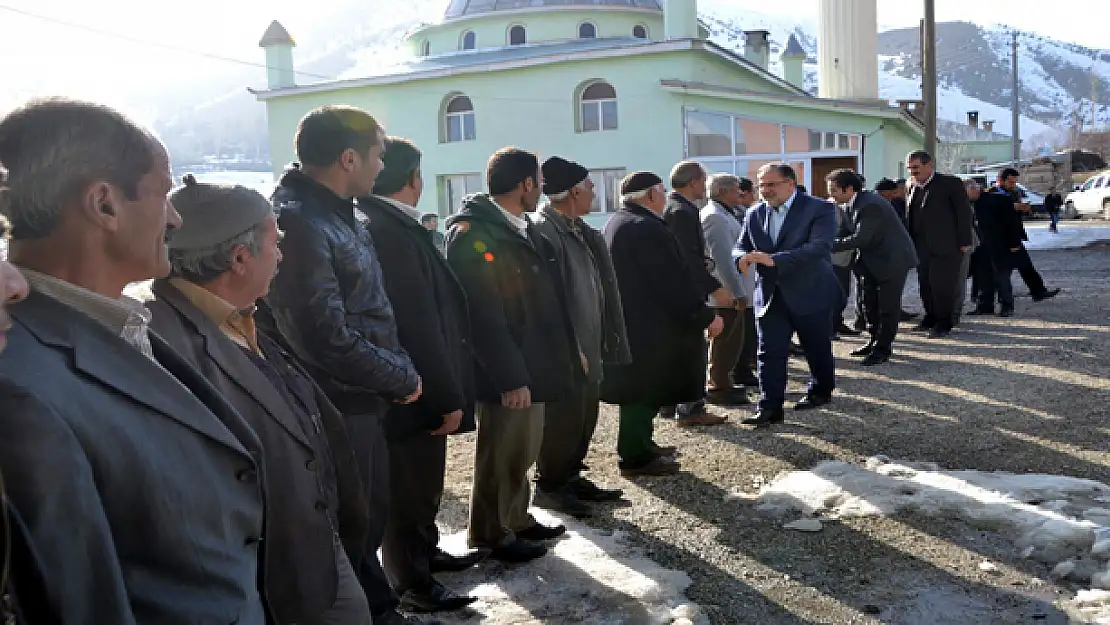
(329, 302)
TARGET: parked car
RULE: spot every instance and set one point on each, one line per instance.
(1091, 198)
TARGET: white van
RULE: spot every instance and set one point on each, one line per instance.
(1093, 198)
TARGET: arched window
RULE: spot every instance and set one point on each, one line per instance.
(426, 48)
(598, 107)
(639, 31)
(469, 40)
(587, 30)
(458, 120)
(518, 36)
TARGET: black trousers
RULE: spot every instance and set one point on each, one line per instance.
(746, 366)
(938, 278)
(568, 427)
(882, 304)
(372, 455)
(416, 467)
(844, 276)
(1024, 265)
(992, 271)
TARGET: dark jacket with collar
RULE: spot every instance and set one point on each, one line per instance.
(999, 223)
(24, 599)
(939, 217)
(522, 335)
(329, 301)
(306, 501)
(137, 482)
(684, 220)
(803, 275)
(664, 312)
(433, 320)
(885, 249)
(613, 347)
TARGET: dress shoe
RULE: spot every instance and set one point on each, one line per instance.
(586, 490)
(728, 397)
(539, 532)
(1048, 294)
(939, 333)
(846, 331)
(446, 562)
(813, 400)
(692, 409)
(906, 315)
(518, 551)
(435, 597)
(981, 311)
(864, 351)
(664, 451)
(924, 327)
(1006, 312)
(562, 500)
(765, 417)
(700, 419)
(656, 466)
(875, 358)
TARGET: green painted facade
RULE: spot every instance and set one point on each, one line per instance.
(664, 90)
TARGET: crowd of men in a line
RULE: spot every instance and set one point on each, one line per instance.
(236, 441)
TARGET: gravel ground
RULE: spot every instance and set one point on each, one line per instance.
(1025, 394)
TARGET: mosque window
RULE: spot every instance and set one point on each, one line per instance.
(459, 120)
(426, 48)
(639, 31)
(586, 30)
(598, 107)
(518, 36)
(469, 40)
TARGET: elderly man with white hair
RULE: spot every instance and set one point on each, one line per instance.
(594, 304)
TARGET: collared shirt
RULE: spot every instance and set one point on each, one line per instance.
(401, 206)
(851, 205)
(520, 224)
(237, 325)
(777, 217)
(922, 185)
(126, 317)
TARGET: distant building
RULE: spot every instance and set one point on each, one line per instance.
(963, 148)
(618, 85)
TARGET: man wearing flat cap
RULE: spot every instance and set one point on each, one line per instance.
(223, 259)
(666, 316)
(593, 302)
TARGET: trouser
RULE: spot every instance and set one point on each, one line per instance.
(745, 366)
(1054, 220)
(861, 317)
(937, 278)
(635, 445)
(776, 326)
(350, 607)
(994, 277)
(372, 455)
(1024, 265)
(883, 306)
(416, 466)
(844, 277)
(961, 287)
(568, 427)
(725, 348)
(508, 443)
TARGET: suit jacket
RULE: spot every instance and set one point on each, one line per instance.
(722, 231)
(684, 220)
(939, 216)
(305, 501)
(1000, 226)
(24, 597)
(433, 320)
(137, 483)
(882, 245)
(803, 275)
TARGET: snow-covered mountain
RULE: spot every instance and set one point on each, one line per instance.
(1059, 80)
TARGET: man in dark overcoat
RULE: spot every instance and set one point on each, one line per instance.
(666, 316)
(434, 326)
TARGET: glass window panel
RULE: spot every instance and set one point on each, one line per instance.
(591, 117)
(517, 36)
(469, 131)
(587, 31)
(473, 183)
(800, 172)
(830, 141)
(855, 142)
(609, 115)
(599, 203)
(599, 91)
(755, 137)
(844, 143)
(469, 40)
(639, 32)
(454, 128)
(814, 141)
(709, 134)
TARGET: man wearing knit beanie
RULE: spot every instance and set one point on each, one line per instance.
(593, 300)
(223, 259)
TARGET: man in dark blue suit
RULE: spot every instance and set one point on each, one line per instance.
(787, 240)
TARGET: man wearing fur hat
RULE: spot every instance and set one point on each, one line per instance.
(666, 316)
(593, 301)
(223, 259)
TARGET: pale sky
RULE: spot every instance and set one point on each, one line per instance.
(129, 50)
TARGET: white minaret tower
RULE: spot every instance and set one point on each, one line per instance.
(279, 56)
(848, 49)
(680, 19)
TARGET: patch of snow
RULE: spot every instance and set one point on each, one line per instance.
(1046, 516)
(1069, 236)
(805, 525)
(586, 577)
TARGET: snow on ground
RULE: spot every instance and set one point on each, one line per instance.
(1070, 236)
(588, 577)
(1057, 520)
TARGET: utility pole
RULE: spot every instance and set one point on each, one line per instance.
(1014, 99)
(929, 76)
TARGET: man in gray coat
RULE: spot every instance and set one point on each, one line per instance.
(597, 318)
(722, 232)
(138, 483)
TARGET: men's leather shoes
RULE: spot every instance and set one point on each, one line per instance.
(1048, 294)
(981, 311)
(864, 351)
(728, 397)
(663, 451)
(924, 327)
(445, 562)
(765, 417)
(703, 418)
(562, 500)
(846, 331)
(586, 490)
(875, 358)
(434, 598)
(939, 333)
(657, 466)
(1006, 312)
(539, 532)
(812, 400)
(518, 551)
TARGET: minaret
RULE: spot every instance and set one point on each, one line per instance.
(794, 63)
(848, 49)
(279, 56)
(680, 19)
